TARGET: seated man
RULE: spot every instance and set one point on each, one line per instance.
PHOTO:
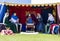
(47, 27)
(30, 23)
(14, 19)
(51, 18)
(7, 32)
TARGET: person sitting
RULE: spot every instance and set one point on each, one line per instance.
(51, 18)
(14, 19)
(9, 24)
(47, 27)
(7, 32)
(30, 23)
(40, 24)
(6, 14)
(29, 19)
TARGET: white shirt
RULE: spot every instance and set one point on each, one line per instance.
(13, 20)
(4, 18)
(51, 18)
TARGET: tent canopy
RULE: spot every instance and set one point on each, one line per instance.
(30, 2)
(44, 1)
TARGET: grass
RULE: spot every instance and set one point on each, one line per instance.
(24, 37)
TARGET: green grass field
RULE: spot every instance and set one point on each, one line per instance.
(24, 37)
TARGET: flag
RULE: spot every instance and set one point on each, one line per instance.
(2, 12)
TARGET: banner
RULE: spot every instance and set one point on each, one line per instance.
(2, 12)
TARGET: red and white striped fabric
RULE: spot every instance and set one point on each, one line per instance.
(52, 26)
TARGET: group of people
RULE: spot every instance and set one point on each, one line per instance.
(12, 23)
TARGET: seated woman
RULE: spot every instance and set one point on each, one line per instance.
(7, 32)
(9, 24)
(29, 19)
(30, 23)
(40, 24)
(6, 14)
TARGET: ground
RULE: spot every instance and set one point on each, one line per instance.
(32, 37)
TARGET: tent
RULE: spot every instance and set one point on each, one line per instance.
(23, 9)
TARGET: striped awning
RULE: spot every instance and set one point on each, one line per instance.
(15, 4)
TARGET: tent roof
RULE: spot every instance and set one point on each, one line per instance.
(30, 2)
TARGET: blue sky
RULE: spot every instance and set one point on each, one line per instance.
(17, 1)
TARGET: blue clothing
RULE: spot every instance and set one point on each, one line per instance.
(14, 17)
(29, 20)
(56, 29)
(40, 26)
